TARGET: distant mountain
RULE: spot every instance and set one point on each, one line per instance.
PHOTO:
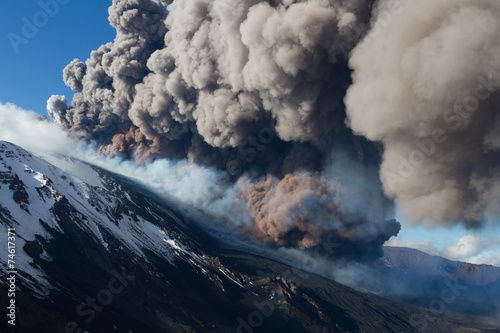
(419, 278)
(409, 260)
(97, 252)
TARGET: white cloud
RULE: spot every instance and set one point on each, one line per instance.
(486, 258)
(470, 246)
(467, 246)
(22, 128)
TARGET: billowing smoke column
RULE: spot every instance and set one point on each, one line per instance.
(107, 80)
(223, 70)
(427, 87)
(253, 88)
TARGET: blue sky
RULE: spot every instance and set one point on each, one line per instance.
(30, 76)
(33, 72)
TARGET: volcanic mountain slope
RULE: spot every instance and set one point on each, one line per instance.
(96, 252)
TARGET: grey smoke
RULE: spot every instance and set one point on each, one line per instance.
(220, 71)
(230, 66)
(73, 74)
(106, 82)
(224, 66)
(427, 88)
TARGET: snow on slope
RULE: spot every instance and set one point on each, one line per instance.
(30, 187)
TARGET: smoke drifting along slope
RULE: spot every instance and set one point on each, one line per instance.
(427, 87)
(252, 88)
(255, 89)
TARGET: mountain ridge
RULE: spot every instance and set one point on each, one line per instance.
(420, 259)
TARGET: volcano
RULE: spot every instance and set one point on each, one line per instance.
(98, 252)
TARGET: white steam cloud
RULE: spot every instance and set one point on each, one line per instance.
(28, 130)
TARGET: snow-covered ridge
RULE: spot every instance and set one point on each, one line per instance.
(35, 195)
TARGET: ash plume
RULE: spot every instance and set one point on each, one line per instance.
(219, 69)
(106, 81)
(427, 87)
(248, 94)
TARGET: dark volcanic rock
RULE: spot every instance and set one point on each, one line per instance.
(34, 249)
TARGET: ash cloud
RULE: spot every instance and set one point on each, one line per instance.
(190, 91)
(230, 66)
(427, 88)
(106, 81)
(220, 69)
